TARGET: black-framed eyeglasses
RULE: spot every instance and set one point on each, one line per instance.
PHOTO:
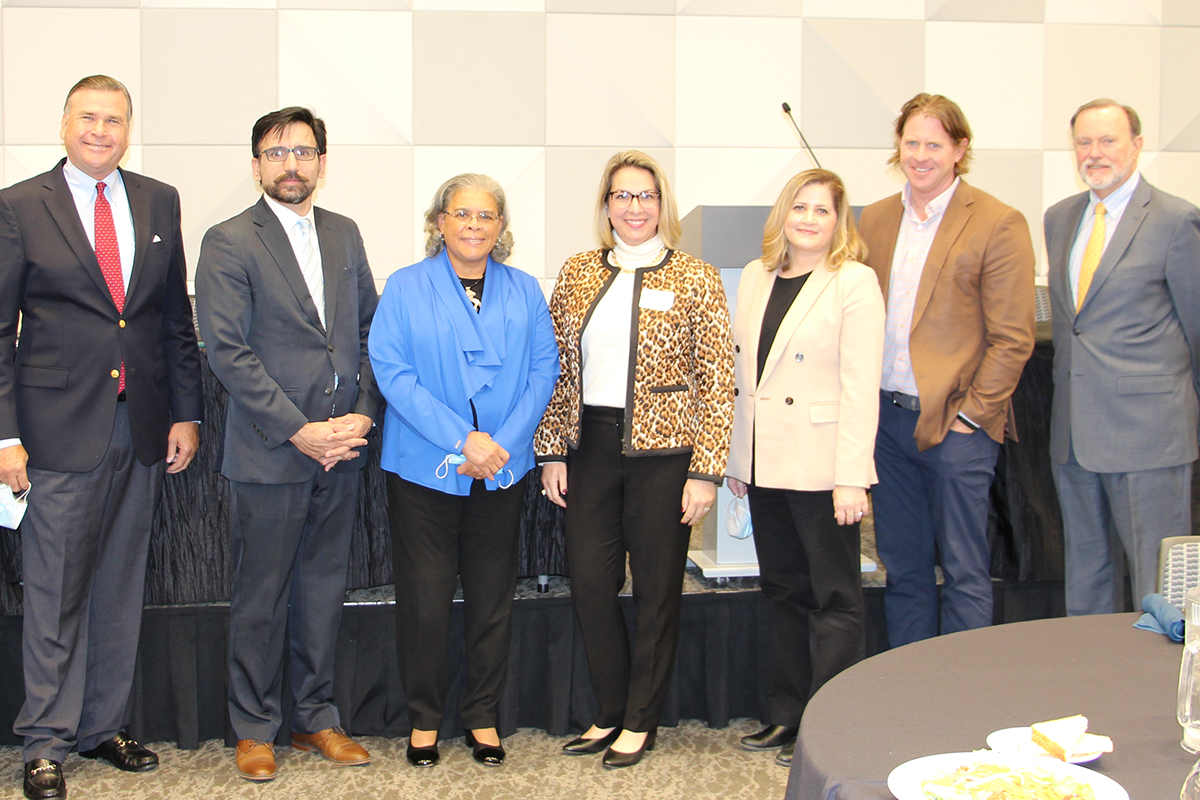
(622, 198)
(302, 153)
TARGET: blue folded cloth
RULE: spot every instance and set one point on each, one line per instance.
(1161, 617)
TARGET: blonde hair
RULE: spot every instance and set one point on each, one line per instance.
(945, 111)
(101, 83)
(441, 204)
(668, 212)
(847, 245)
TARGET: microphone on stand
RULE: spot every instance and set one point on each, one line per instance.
(788, 110)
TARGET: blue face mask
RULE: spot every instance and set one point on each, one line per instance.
(12, 508)
(454, 458)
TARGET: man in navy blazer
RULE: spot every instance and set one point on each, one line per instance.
(285, 299)
(99, 400)
(1123, 425)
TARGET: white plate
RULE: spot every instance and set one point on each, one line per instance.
(905, 780)
(1017, 741)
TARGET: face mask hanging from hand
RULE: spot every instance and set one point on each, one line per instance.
(12, 508)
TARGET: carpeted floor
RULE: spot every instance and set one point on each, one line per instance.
(692, 761)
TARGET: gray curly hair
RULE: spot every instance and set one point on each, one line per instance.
(441, 204)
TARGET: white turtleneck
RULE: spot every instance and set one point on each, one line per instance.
(606, 339)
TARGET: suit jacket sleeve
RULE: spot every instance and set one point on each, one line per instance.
(180, 351)
(12, 289)
(226, 307)
(1007, 303)
(369, 402)
(860, 366)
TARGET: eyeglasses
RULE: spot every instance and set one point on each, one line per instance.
(465, 215)
(622, 198)
(302, 153)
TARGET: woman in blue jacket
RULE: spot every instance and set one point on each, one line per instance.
(464, 352)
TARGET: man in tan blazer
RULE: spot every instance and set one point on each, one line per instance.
(956, 268)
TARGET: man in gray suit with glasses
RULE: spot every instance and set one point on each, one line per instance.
(1124, 262)
(285, 298)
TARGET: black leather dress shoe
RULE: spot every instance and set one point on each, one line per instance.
(422, 756)
(124, 753)
(490, 755)
(586, 747)
(784, 759)
(44, 779)
(770, 737)
(614, 759)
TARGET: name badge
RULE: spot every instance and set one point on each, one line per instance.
(656, 299)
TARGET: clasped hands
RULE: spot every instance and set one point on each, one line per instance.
(334, 439)
(484, 457)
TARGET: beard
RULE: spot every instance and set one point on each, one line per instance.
(1117, 175)
(291, 195)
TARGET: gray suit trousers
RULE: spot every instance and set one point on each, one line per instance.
(83, 543)
(1110, 518)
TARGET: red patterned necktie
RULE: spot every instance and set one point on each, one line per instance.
(109, 256)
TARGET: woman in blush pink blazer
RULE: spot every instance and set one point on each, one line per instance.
(808, 352)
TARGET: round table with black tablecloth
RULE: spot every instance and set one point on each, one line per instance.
(947, 694)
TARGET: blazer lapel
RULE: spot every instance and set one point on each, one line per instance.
(883, 248)
(61, 206)
(816, 283)
(958, 212)
(764, 282)
(139, 207)
(271, 232)
(1131, 220)
(1062, 250)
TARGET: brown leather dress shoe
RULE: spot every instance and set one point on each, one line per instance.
(255, 760)
(334, 744)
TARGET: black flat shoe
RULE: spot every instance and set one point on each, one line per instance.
(422, 756)
(587, 747)
(490, 755)
(614, 759)
(44, 780)
(124, 753)
(784, 759)
(770, 737)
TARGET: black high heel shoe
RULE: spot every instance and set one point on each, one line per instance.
(586, 747)
(422, 756)
(614, 759)
(490, 755)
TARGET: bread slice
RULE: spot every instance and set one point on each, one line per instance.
(1060, 737)
(1091, 743)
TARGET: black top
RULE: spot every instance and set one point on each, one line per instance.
(474, 289)
(783, 294)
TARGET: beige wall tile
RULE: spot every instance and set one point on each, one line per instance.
(214, 74)
(1105, 12)
(986, 10)
(610, 80)
(359, 76)
(740, 8)
(36, 86)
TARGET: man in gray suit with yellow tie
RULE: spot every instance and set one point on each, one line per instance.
(1124, 262)
(285, 299)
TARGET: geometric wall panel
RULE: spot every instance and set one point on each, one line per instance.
(610, 80)
(36, 84)
(734, 100)
(865, 9)
(856, 74)
(479, 78)
(740, 8)
(215, 73)
(611, 6)
(964, 57)
(1180, 129)
(1080, 67)
(986, 10)
(1108, 12)
(1180, 12)
(358, 73)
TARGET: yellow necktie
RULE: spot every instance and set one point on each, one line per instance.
(1091, 257)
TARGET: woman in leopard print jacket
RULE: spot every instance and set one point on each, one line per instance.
(640, 419)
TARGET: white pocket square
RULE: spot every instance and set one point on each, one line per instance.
(156, 238)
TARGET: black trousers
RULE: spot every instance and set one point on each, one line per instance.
(436, 537)
(810, 573)
(618, 504)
